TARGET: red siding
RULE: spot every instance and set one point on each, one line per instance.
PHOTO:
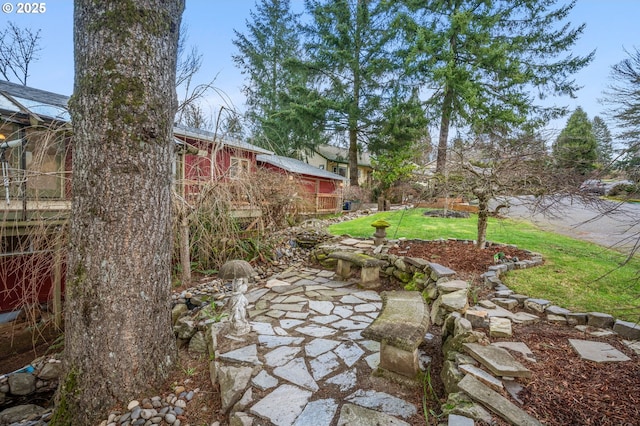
(26, 278)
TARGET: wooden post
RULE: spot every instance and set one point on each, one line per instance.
(57, 279)
(185, 255)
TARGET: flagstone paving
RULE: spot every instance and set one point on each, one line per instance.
(305, 344)
(305, 361)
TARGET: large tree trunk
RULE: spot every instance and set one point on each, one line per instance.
(118, 337)
(353, 158)
(445, 120)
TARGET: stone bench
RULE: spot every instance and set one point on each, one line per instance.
(369, 267)
(400, 328)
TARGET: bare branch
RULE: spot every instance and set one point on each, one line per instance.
(18, 48)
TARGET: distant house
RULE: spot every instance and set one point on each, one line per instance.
(203, 158)
(323, 189)
(336, 160)
(35, 154)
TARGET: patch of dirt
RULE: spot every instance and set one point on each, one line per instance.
(467, 260)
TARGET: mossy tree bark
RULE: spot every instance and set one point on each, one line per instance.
(118, 337)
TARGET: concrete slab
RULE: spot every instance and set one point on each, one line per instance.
(281, 355)
(497, 360)
(597, 351)
(322, 307)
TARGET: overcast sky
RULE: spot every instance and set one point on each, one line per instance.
(612, 26)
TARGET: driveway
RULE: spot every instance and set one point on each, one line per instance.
(618, 228)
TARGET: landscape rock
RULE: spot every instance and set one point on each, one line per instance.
(628, 330)
(455, 301)
(233, 382)
(497, 360)
(20, 412)
(536, 305)
(600, 320)
(354, 415)
(461, 404)
(450, 376)
(22, 383)
(500, 327)
(496, 402)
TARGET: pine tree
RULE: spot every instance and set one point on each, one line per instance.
(603, 140)
(280, 106)
(576, 146)
(349, 46)
(482, 58)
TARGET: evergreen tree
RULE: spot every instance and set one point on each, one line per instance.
(603, 140)
(576, 146)
(482, 58)
(398, 141)
(120, 241)
(349, 47)
(281, 110)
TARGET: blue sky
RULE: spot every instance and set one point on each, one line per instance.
(612, 25)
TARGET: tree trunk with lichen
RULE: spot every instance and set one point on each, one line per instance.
(483, 217)
(118, 337)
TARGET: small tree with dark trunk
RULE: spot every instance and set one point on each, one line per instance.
(488, 168)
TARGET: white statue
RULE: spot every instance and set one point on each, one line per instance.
(239, 323)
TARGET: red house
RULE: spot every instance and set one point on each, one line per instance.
(35, 154)
(203, 158)
(323, 189)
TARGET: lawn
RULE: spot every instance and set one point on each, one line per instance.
(577, 275)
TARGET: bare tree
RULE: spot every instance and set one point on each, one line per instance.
(18, 48)
(118, 337)
(488, 168)
(190, 110)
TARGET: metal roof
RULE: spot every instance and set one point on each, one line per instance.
(292, 165)
(341, 155)
(16, 98)
(194, 133)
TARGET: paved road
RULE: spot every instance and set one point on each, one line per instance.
(618, 228)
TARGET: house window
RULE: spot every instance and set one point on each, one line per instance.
(342, 171)
(239, 167)
(321, 166)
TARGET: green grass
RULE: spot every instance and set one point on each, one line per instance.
(577, 275)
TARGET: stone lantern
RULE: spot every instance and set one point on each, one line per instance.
(381, 231)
